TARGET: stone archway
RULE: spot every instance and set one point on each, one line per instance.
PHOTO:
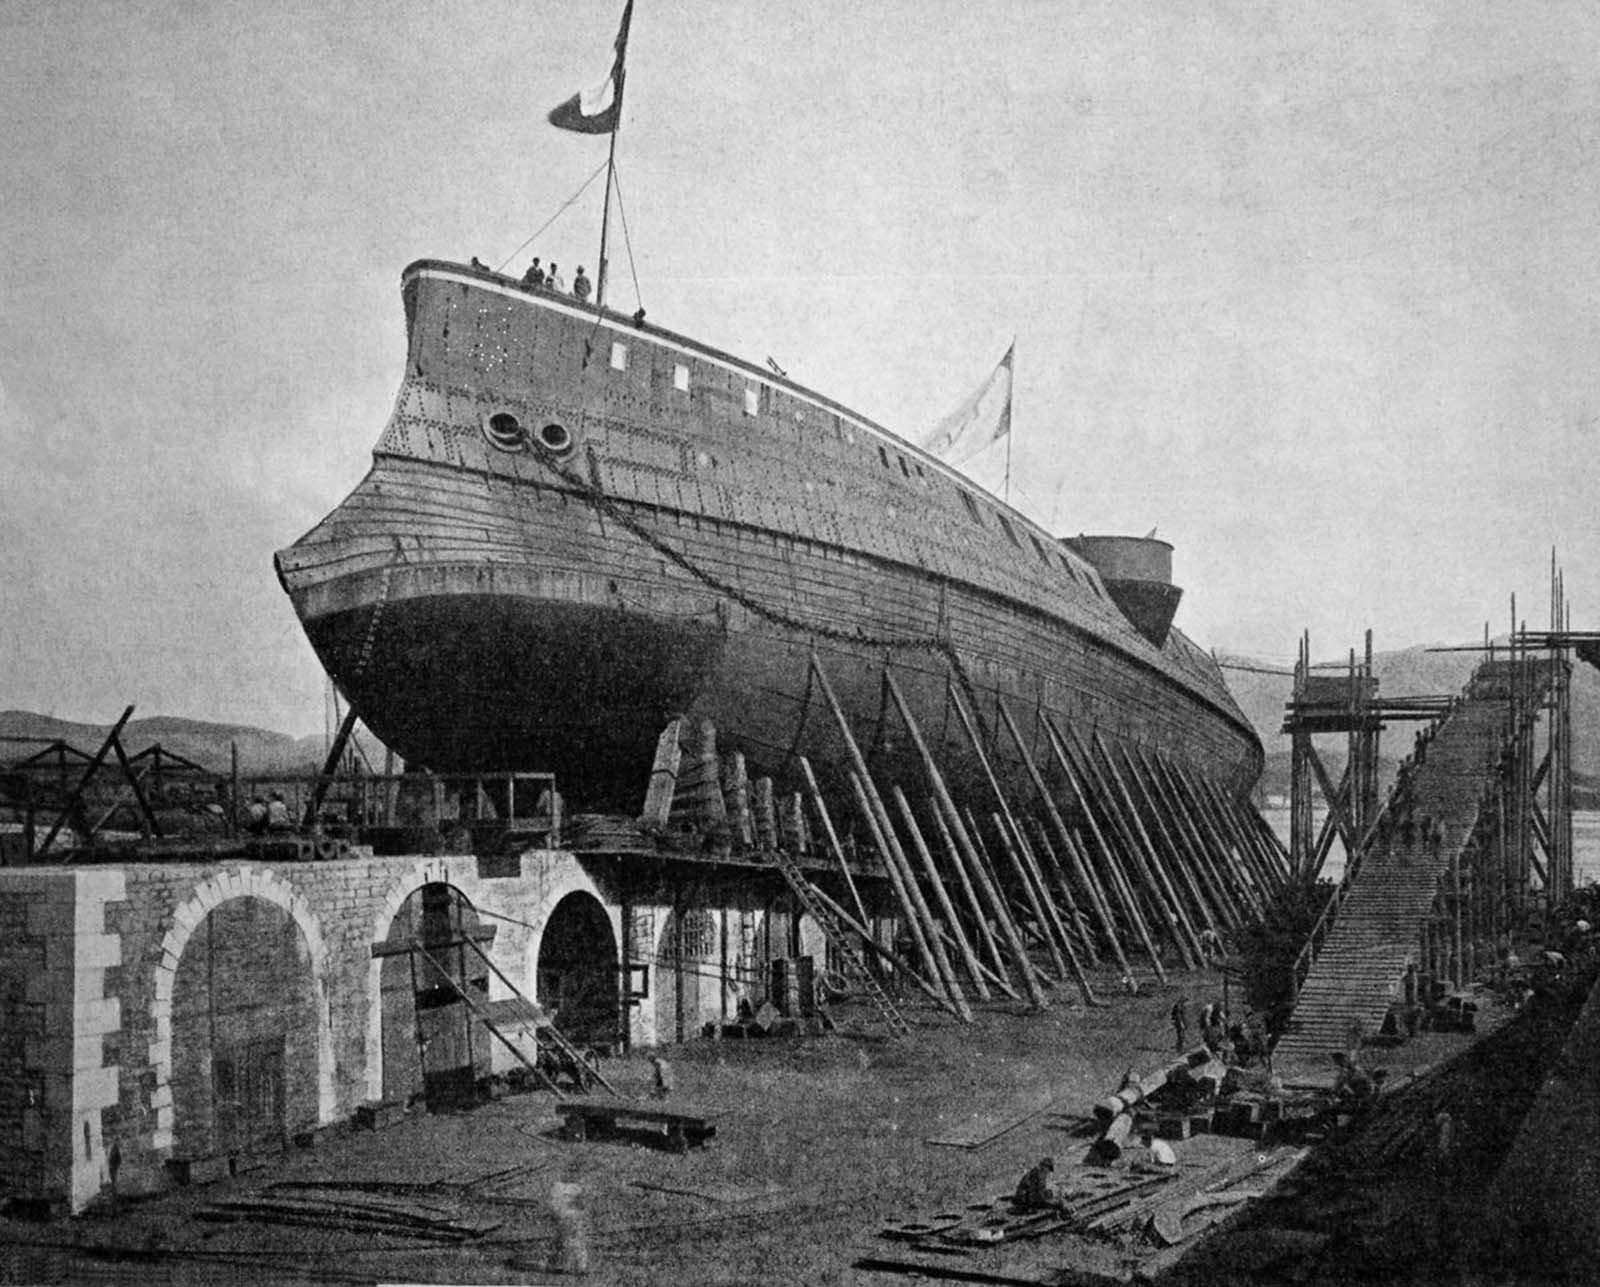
(576, 971)
(202, 974)
(433, 1043)
(686, 976)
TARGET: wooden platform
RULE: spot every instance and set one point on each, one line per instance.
(682, 1127)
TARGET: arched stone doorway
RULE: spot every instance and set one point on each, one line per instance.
(577, 971)
(433, 1043)
(245, 1031)
(686, 978)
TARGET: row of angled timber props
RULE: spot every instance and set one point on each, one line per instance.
(749, 813)
(1158, 852)
(965, 855)
(1040, 898)
(918, 919)
(1180, 859)
(927, 933)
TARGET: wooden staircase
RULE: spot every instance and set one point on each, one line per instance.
(1372, 928)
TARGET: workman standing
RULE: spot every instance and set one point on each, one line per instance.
(1180, 1023)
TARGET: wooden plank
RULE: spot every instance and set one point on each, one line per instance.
(981, 1129)
(400, 947)
(636, 1110)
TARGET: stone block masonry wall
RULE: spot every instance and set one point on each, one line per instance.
(122, 987)
(58, 1076)
(22, 1022)
(163, 1011)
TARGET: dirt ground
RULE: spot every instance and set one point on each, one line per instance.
(819, 1140)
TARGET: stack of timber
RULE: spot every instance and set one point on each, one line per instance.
(1375, 924)
(1082, 1211)
(351, 1211)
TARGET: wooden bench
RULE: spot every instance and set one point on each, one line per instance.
(681, 1127)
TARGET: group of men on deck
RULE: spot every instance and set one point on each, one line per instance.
(550, 278)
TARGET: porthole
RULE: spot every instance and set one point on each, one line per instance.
(504, 431)
(555, 439)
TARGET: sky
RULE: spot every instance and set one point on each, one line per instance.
(1310, 289)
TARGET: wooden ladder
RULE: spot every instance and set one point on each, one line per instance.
(511, 1015)
(855, 965)
(539, 1021)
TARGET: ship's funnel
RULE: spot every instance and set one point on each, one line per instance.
(1137, 571)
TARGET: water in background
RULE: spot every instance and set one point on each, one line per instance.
(1585, 843)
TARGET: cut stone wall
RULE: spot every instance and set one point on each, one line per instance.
(161, 1012)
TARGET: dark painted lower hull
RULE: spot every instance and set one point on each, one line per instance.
(464, 683)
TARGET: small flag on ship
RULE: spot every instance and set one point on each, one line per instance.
(982, 420)
(597, 110)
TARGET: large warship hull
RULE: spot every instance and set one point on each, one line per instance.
(577, 528)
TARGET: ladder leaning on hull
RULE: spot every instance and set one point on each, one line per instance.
(855, 965)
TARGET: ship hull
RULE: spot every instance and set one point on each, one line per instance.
(487, 609)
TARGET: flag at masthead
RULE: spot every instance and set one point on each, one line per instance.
(984, 418)
(597, 110)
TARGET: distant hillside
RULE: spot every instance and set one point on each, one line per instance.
(1409, 672)
(207, 744)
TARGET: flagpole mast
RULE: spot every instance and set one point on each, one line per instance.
(605, 217)
(1011, 421)
(1006, 493)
